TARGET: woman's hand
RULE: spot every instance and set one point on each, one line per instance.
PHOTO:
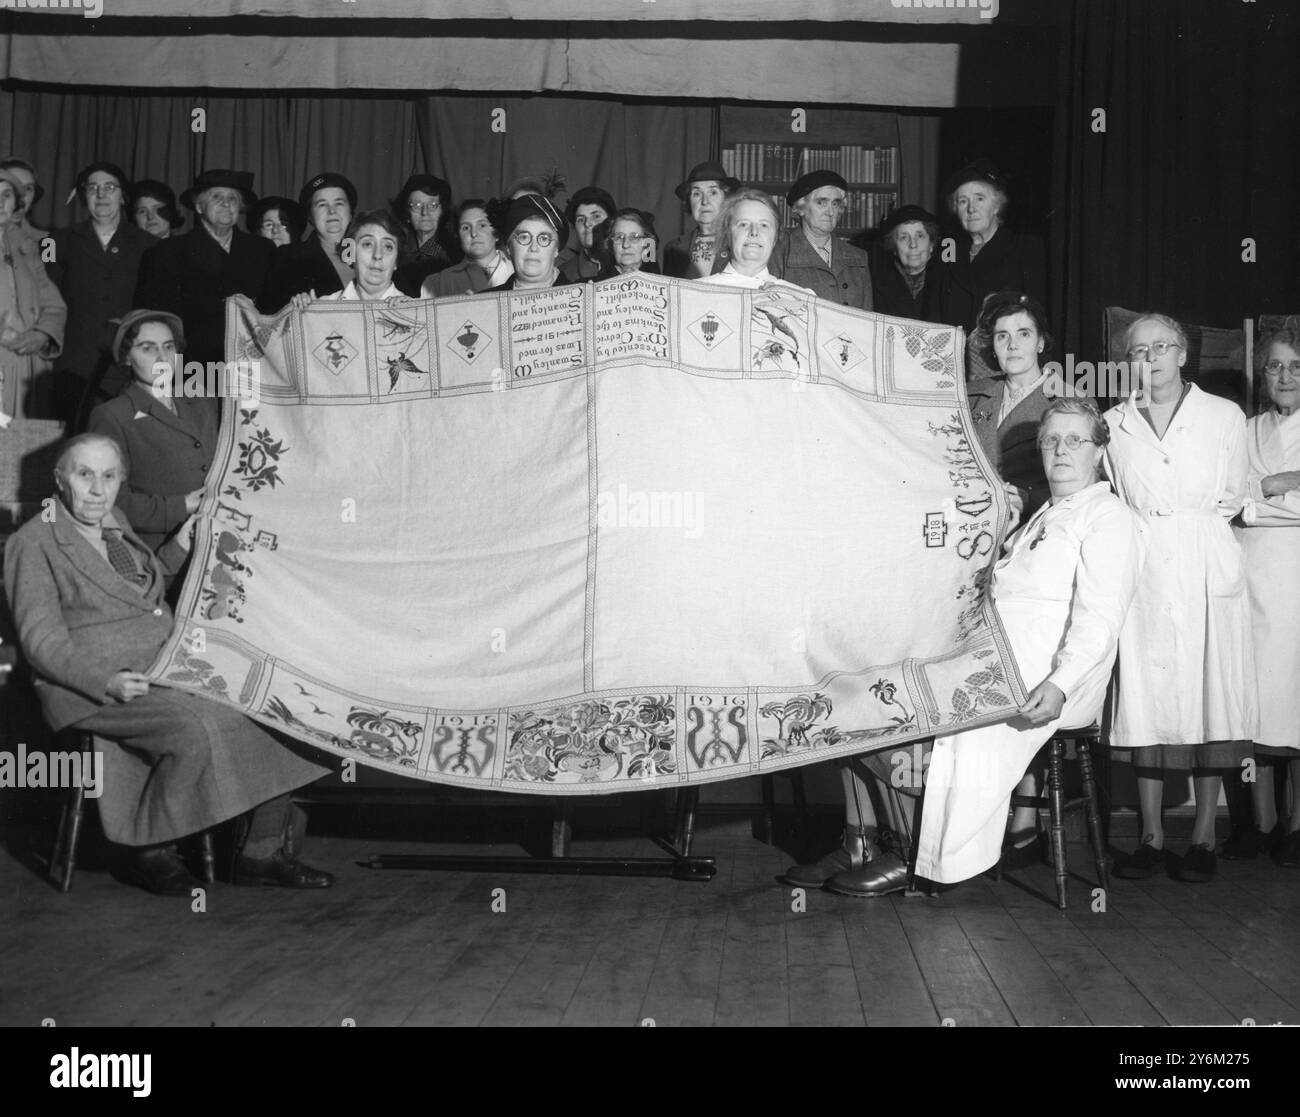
(185, 533)
(1017, 503)
(1043, 704)
(28, 342)
(192, 501)
(1275, 484)
(303, 299)
(126, 685)
(398, 300)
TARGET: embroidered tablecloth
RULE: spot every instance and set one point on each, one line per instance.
(597, 538)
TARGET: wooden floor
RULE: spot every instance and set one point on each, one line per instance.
(426, 948)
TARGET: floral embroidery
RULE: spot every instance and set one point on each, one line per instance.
(591, 742)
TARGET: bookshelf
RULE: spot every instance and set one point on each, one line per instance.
(761, 148)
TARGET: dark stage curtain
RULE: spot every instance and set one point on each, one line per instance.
(638, 151)
(1200, 151)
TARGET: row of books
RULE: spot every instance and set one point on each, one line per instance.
(755, 162)
(864, 209)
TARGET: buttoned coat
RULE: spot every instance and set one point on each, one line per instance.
(297, 269)
(1007, 262)
(845, 280)
(98, 283)
(167, 455)
(28, 389)
(189, 762)
(192, 276)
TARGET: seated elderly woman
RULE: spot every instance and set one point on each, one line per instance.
(691, 255)
(747, 230)
(534, 232)
(87, 601)
(906, 283)
(32, 318)
(167, 438)
(811, 255)
(587, 212)
(280, 220)
(1270, 538)
(484, 264)
(153, 208)
(1062, 590)
(631, 241)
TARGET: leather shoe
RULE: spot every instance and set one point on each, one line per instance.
(1198, 865)
(159, 870)
(853, 852)
(1249, 842)
(281, 871)
(1142, 864)
(878, 877)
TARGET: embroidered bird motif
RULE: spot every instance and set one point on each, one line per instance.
(398, 365)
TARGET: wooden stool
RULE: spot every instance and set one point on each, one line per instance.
(63, 860)
(1058, 806)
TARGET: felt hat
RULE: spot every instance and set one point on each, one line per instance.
(129, 319)
(979, 170)
(589, 196)
(329, 178)
(231, 180)
(709, 171)
(814, 180)
(903, 214)
(534, 205)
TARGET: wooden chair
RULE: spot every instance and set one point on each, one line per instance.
(63, 859)
(1219, 361)
(688, 801)
(1059, 807)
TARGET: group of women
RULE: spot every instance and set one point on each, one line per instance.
(1202, 615)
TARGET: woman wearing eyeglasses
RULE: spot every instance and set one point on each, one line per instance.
(95, 265)
(1270, 538)
(632, 242)
(423, 205)
(1186, 695)
(1062, 589)
(278, 220)
(535, 232)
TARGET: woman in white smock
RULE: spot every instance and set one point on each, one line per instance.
(1185, 697)
(1062, 590)
(1272, 570)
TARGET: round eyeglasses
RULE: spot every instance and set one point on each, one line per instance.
(526, 240)
(424, 207)
(628, 238)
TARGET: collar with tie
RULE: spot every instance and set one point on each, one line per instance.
(122, 559)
